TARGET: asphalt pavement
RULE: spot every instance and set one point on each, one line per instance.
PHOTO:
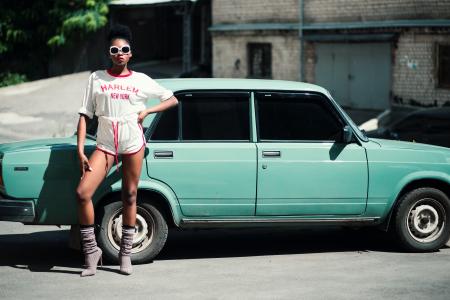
(321, 263)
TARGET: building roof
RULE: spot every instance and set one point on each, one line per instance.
(144, 2)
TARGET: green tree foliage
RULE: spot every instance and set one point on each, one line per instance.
(7, 78)
(30, 30)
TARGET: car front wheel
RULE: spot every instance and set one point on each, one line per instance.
(422, 220)
(149, 239)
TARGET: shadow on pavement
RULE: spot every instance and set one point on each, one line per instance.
(42, 251)
(281, 241)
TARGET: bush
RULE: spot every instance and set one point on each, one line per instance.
(8, 78)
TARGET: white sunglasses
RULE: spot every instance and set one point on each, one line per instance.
(125, 49)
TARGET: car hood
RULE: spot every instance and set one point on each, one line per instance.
(394, 144)
(42, 143)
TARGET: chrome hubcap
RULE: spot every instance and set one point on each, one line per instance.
(426, 220)
(145, 227)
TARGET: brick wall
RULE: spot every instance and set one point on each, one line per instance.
(414, 76)
(249, 11)
(415, 47)
(228, 48)
(413, 69)
(253, 11)
(366, 10)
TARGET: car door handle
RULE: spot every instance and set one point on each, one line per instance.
(163, 154)
(271, 153)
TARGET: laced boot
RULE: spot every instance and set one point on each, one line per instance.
(92, 253)
(125, 250)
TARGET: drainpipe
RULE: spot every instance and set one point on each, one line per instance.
(185, 10)
(300, 36)
(187, 37)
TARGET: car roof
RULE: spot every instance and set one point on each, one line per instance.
(437, 112)
(180, 84)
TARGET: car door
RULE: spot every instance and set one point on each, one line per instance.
(302, 169)
(202, 150)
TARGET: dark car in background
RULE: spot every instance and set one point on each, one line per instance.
(428, 126)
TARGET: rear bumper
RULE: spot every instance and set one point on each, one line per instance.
(16, 210)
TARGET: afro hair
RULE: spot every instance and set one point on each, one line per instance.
(119, 31)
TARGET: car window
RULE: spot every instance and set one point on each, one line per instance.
(301, 117)
(166, 126)
(215, 116)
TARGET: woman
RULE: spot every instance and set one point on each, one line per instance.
(117, 96)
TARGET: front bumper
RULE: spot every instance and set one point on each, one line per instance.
(16, 210)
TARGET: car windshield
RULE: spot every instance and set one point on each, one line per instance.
(359, 133)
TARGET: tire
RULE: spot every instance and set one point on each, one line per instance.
(149, 239)
(422, 220)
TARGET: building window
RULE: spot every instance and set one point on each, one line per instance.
(259, 60)
(443, 66)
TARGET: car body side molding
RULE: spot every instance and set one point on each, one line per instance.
(226, 222)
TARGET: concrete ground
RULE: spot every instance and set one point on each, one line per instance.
(42, 108)
(326, 263)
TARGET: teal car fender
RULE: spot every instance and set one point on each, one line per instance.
(394, 165)
(45, 173)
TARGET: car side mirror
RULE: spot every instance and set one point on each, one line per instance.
(347, 134)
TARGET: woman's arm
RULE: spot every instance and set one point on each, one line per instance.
(81, 136)
(166, 104)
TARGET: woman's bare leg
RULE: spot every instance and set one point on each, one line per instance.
(131, 171)
(101, 164)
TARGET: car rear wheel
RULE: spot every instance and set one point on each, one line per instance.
(149, 239)
(422, 220)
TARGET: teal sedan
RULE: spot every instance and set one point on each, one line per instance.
(242, 152)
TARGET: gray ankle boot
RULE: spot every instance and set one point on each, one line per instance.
(92, 253)
(125, 250)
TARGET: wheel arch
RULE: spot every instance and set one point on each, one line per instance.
(437, 183)
(160, 202)
(164, 199)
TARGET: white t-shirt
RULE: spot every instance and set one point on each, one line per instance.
(116, 96)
